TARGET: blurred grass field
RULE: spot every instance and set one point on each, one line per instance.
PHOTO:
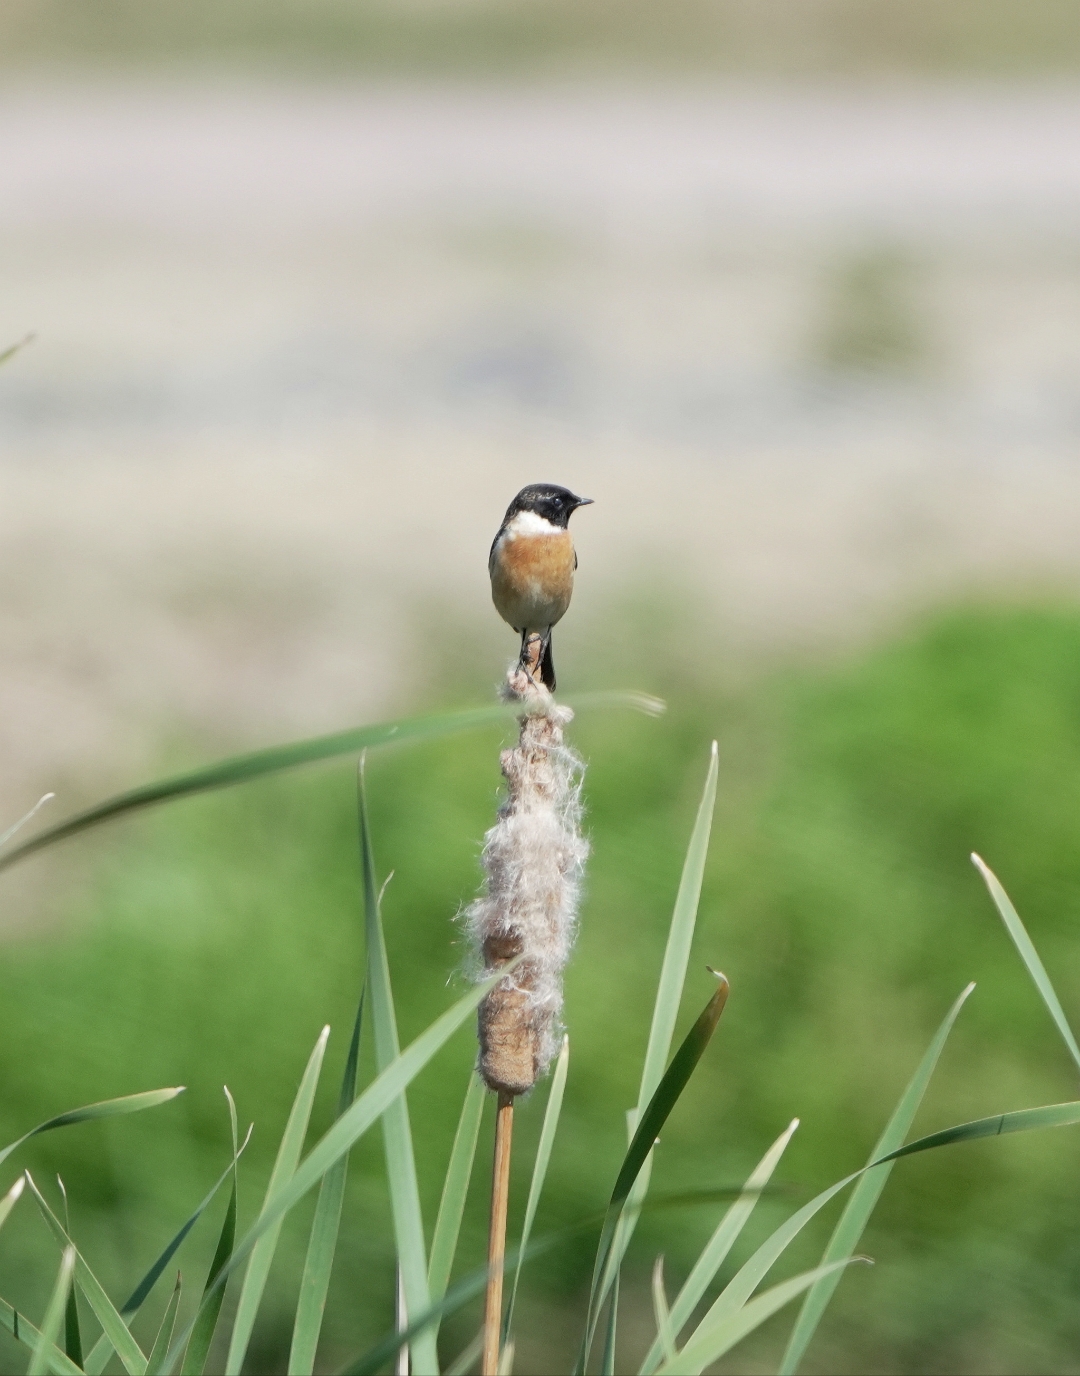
(787, 37)
(210, 942)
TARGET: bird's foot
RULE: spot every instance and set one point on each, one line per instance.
(532, 652)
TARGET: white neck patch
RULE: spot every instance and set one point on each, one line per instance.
(530, 523)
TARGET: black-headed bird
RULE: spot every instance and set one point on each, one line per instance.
(532, 565)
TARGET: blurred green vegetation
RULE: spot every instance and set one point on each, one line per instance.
(785, 37)
(217, 936)
(873, 317)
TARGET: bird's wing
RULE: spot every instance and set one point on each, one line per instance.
(494, 546)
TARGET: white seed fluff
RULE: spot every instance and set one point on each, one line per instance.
(533, 861)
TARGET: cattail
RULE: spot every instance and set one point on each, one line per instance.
(533, 860)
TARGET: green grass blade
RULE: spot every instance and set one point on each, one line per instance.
(23, 1331)
(742, 1285)
(864, 1197)
(386, 1349)
(455, 1189)
(322, 1243)
(680, 935)
(155, 1364)
(376, 1358)
(262, 1253)
(550, 1126)
(54, 1315)
(671, 1086)
(138, 1296)
(665, 1333)
(397, 1130)
(102, 1349)
(72, 1331)
(467, 1357)
(242, 768)
(205, 1322)
(607, 1357)
(668, 997)
(16, 827)
(1028, 955)
(754, 1270)
(127, 1349)
(712, 1339)
(11, 1198)
(108, 1108)
(358, 1118)
(1000, 1125)
(72, 1334)
(369, 1107)
(719, 1245)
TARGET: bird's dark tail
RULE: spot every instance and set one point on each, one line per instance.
(547, 667)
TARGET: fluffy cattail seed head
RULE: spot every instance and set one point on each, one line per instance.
(533, 860)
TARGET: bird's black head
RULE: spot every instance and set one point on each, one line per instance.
(554, 504)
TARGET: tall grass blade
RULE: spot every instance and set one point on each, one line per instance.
(669, 991)
(206, 1319)
(108, 1108)
(1000, 1125)
(754, 1270)
(715, 1252)
(322, 1244)
(712, 1339)
(54, 1315)
(665, 1334)
(262, 1253)
(866, 1193)
(550, 1126)
(607, 1357)
(680, 936)
(127, 1349)
(242, 768)
(72, 1332)
(138, 1296)
(742, 1285)
(455, 1189)
(353, 1123)
(72, 1335)
(376, 1358)
(11, 1198)
(16, 827)
(102, 1349)
(1028, 955)
(397, 1130)
(155, 1364)
(668, 1091)
(467, 1357)
(23, 1331)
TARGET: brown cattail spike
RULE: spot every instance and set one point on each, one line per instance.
(533, 858)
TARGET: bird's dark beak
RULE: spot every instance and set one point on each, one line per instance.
(582, 501)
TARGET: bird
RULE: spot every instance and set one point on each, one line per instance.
(532, 563)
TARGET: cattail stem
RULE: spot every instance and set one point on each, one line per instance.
(500, 1192)
(533, 859)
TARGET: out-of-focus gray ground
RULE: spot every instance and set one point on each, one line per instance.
(815, 353)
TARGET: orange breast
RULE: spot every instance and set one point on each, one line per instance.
(532, 579)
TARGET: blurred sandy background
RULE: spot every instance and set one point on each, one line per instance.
(807, 329)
